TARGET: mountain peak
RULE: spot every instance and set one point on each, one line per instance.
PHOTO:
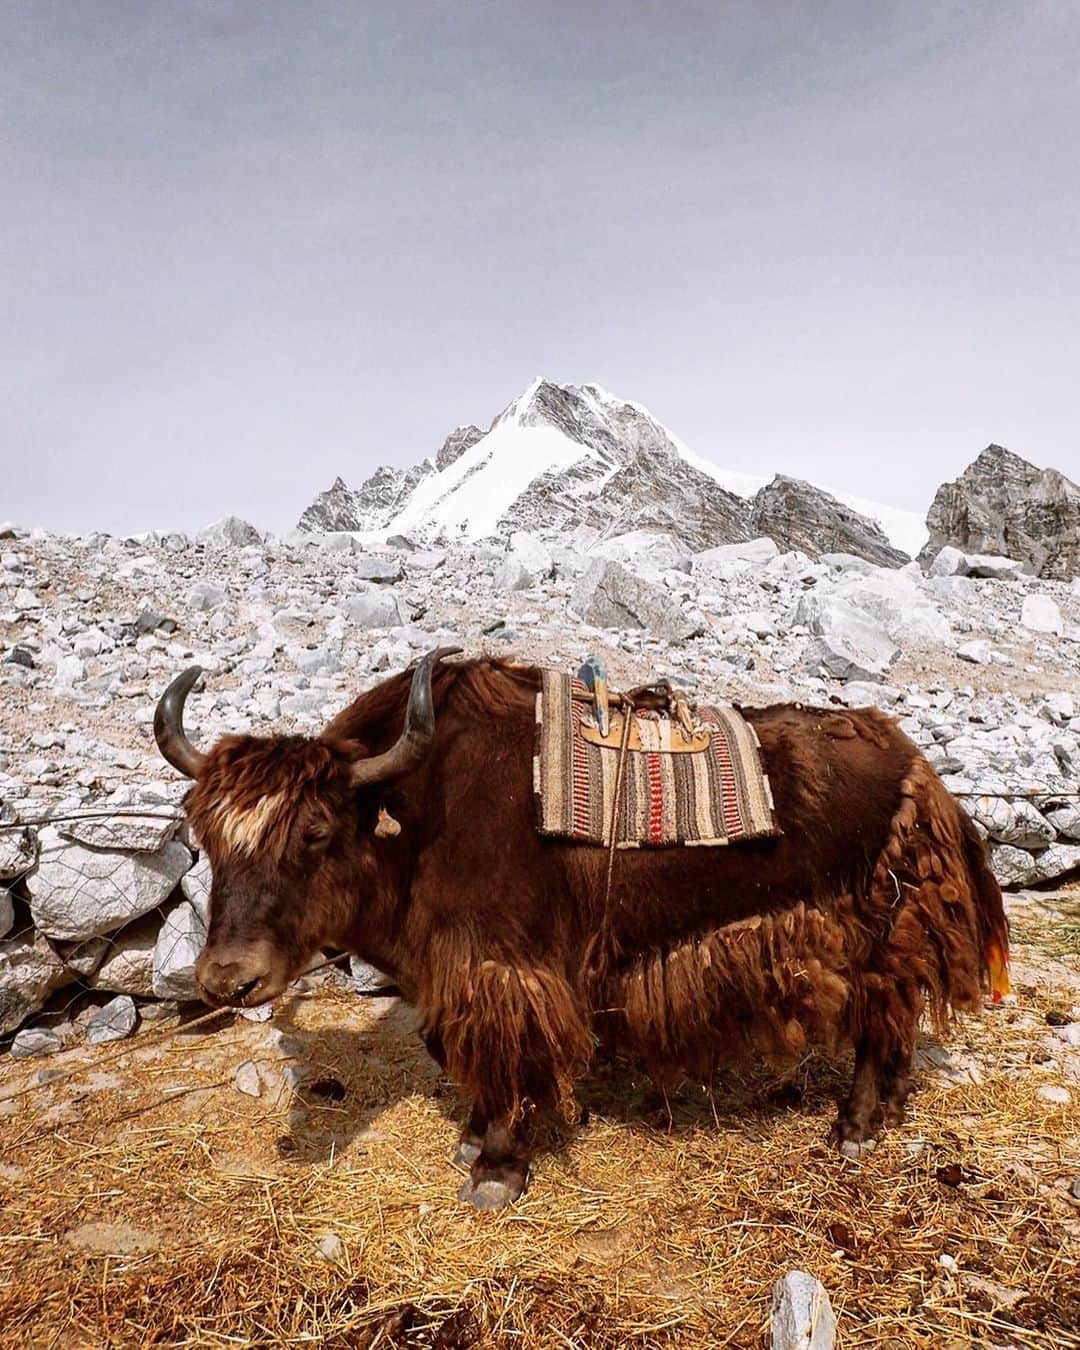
(566, 459)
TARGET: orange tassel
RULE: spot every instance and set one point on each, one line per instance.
(997, 962)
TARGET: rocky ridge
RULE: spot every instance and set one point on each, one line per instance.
(1001, 504)
(976, 658)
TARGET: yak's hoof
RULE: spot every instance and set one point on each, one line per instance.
(466, 1153)
(857, 1148)
(489, 1194)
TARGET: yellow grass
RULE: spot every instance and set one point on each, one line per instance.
(163, 1207)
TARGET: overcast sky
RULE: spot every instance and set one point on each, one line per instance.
(246, 247)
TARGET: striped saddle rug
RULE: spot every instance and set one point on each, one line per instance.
(705, 787)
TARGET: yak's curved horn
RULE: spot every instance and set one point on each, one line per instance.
(415, 742)
(169, 725)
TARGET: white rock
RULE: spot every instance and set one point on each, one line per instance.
(205, 596)
(994, 567)
(850, 646)
(948, 562)
(1040, 614)
(247, 1079)
(230, 532)
(802, 1317)
(7, 912)
(898, 603)
(196, 887)
(532, 553)
(375, 609)
(1055, 1094)
(77, 892)
(366, 978)
(30, 969)
(182, 938)
(866, 694)
(33, 1041)
(18, 851)
(385, 571)
(117, 1019)
(759, 551)
(136, 834)
(645, 551)
(1012, 822)
(609, 596)
(128, 967)
(1066, 819)
(978, 652)
(1057, 861)
(1013, 866)
(512, 575)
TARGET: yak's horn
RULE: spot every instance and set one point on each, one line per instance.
(169, 725)
(415, 742)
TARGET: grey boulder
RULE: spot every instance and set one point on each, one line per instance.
(1012, 822)
(29, 972)
(117, 1019)
(78, 892)
(608, 596)
(375, 609)
(182, 938)
(850, 644)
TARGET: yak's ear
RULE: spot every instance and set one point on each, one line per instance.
(386, 827)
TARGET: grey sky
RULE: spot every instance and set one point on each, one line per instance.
(248, 246)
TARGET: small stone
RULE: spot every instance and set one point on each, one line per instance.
(330, 1248)
(1055, 1094)
(205, 596)
(979, 652)
(113, 1022)
(802, 1316)
(247, 1079)
(32, 1041)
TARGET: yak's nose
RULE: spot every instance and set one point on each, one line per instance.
(229, 977)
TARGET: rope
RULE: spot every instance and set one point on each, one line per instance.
(628, 718)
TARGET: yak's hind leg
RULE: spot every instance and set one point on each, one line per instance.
(879, 1091)
(860, 1116)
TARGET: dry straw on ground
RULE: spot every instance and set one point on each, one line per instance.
(150, 1203)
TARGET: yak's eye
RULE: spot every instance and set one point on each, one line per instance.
(315, 836)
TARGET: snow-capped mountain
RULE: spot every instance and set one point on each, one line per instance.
(566, 459)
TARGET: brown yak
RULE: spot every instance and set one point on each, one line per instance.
(874, 901)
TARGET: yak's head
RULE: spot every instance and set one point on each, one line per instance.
(288, 824)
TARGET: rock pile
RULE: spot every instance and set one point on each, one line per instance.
(976, 658)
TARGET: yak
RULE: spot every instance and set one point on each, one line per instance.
(406, 833)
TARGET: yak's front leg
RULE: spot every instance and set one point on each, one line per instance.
(471, 1144)
(500, 1172)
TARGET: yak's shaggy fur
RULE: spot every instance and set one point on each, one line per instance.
(873, 901)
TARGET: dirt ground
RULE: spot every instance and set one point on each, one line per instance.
(146, 1201)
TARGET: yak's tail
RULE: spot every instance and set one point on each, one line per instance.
(993, 925)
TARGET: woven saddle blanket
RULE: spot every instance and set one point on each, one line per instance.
(705, 788)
